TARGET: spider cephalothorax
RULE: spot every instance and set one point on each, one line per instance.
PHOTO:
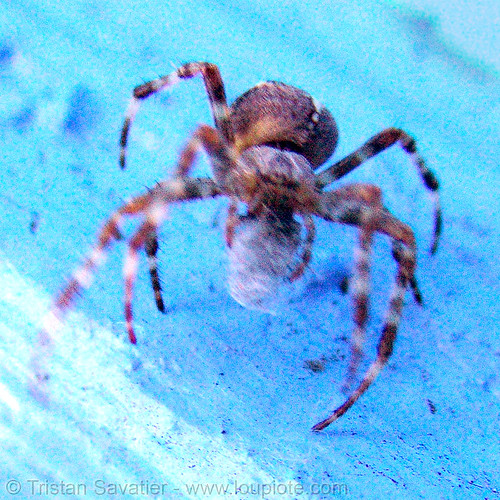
(265, 150)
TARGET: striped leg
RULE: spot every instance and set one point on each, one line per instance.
(374, 146)
(152, 207)
(385, 346)
(154, 218)
(213, 85)
(222, 161)
(339, 206)
(305, 258)
(80, 280)
(181, 189)
(151, 247)
(371, 195)
(221, 157)
(217, 99)
(360, 291)
(398, 254)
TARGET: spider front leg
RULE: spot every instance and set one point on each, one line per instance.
(223, 161)
(213, 85)
(376, 145)
(152, 207)
(217, 99)
(339, 206)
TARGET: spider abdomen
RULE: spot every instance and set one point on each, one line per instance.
(279, 115)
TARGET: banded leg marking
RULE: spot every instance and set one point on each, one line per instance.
(376, 145)
(384, 350)
(214, 87)
(151, 247)
(340, 206)
(360, 297)
(306, 255)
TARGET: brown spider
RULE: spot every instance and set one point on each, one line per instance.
(265, 150)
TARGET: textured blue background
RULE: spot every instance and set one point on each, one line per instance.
(214, 394)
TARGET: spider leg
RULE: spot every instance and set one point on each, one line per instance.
(306, 255)
(211, 141)
(180, 189)
(217, 99)
(131, 263)
(372, 196)
(360, 291)
(80, 280)
(376, 145)
(221, 157)
(83, 276)
(214, 88)
(152, 206)
(232, 222)
(184, 164)
(397, 253)
(340, 206)
(151, 247)
(384, 349)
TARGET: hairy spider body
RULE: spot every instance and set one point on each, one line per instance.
(265, 150)
(284, 117)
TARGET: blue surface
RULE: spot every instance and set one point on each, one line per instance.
(214, 394)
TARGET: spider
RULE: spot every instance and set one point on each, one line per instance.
(265, 151)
